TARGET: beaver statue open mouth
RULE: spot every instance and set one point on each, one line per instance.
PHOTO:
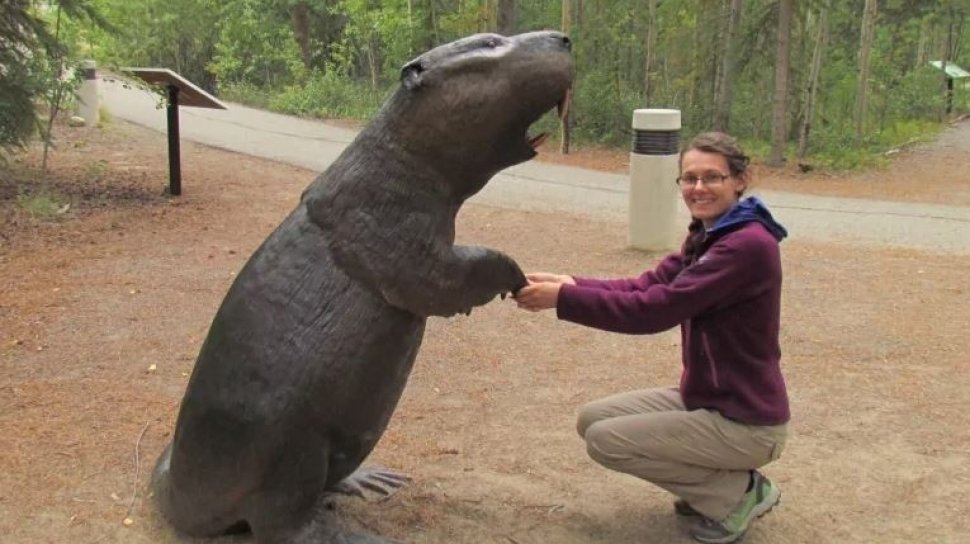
(562, 110)
(308, 355)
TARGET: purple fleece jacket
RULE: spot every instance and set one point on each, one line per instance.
(727, 304)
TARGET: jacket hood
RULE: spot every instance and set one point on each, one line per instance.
(747, 210)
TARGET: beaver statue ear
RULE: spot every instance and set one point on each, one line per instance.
(411, 75)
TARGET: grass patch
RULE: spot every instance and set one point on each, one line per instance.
(104, 116)
(43, 205)
(97, 169)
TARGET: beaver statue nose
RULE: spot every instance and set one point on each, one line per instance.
(567, 42)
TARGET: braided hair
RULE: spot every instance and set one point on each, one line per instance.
(726, 146)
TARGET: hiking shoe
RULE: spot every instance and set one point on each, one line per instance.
(763, 496)
(683, 509)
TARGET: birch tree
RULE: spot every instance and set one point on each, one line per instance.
(650, 50)
(780, 101)
(811, 89)
(564, 128)
(722, 98)
(506, 17)
(865, 47)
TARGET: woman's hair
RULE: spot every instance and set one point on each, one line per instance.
(726, 146)
(722, 144)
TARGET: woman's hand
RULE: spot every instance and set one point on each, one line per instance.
(545, 277)
(538, 296)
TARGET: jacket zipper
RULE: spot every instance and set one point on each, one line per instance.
(710, 359)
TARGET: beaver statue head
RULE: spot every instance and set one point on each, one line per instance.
(466, 106)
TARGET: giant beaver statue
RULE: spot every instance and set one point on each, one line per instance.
(311, 348)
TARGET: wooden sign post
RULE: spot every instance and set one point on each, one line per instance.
(179, 91)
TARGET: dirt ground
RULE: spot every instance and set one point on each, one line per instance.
(103, 309)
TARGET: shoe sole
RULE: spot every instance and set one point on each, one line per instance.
(686, 514)
(757, 515)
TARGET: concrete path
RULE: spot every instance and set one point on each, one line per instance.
(545, 187)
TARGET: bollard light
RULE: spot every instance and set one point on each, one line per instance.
(88, 105)
(654, 195)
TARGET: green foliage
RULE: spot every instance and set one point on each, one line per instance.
(176, 34)
(604, 109)
(253, 52)
(23, 37)
(837, 149)
(36, 59)
(247, 93)
(18, 87)
(916, 95)
(339, 58)
(329, 95)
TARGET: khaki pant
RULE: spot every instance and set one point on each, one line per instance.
(699, 456)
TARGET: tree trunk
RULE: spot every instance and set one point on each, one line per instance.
(780, 105)
(862, 88)
(506, 17)
(430, 26)
(372, 61)
(485, 16)
(947, 81)
(564, 128)
(57, 93)
(811, 90)
(300, 19)
(722, 100)
(922, 54)
(651, 50)
(700, 60)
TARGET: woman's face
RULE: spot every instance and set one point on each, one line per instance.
(707, 186)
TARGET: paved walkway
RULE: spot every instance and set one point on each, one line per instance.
(545, 187)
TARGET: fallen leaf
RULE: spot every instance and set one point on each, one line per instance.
(128, 522)
(152, 367)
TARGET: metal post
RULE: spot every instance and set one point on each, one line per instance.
(949, 95)
(653, 173)
(174, 163)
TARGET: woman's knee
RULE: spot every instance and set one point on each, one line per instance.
(588, 415)
(603, 446)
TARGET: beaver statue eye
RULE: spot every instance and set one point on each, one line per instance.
(491, 43)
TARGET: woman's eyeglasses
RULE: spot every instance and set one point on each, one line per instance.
(710, 179)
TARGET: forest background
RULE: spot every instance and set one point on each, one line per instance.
(831, 84)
